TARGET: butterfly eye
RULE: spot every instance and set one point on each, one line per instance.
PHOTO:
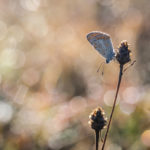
(107, 61)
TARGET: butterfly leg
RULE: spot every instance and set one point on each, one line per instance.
(101, 66)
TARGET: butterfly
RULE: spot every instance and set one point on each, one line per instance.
(102, 43)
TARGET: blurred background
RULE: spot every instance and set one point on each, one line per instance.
(49, 82)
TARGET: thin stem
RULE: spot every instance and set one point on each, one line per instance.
(114, 104)
(97, 138)
(101, 137)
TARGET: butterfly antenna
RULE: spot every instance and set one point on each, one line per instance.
(101, 65)
(129, 66)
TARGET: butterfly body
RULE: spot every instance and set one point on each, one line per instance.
(102, 43)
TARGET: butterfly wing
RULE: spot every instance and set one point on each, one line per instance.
(102, 43)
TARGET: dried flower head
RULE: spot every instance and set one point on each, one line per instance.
(97, 119)
(123, 55)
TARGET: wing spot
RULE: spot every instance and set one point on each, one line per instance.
(106, 44)
(98, 36)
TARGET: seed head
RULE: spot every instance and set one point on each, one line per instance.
(97, 119)
(123, 54)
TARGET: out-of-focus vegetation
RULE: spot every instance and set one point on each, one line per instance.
(48, 74)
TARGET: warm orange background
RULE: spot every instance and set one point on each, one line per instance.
(48, 74)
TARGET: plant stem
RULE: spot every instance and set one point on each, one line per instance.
(97, 138)
(114, 104)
